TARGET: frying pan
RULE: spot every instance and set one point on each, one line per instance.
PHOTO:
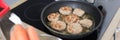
(88, 8)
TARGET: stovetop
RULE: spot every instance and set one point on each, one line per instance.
(27, 12)
(32, 17)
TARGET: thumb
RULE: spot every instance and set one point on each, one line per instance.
(32, 33)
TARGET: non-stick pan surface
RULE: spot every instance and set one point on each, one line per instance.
(88, 8)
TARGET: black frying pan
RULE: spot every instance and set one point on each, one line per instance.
(89, 8)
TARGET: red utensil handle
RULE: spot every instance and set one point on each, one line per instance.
(4, 7)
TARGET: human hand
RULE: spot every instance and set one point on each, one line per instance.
(20, 33)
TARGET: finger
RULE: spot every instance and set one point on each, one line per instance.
(32, 33)
(12, 35)
(20, 33)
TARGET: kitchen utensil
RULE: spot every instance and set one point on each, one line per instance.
(16, 20)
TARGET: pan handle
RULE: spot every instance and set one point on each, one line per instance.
(4, 8)
(89, 1)
(69, 0)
